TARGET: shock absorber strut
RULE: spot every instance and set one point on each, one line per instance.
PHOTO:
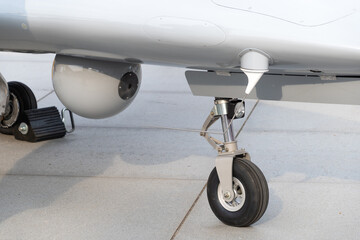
(227, 110)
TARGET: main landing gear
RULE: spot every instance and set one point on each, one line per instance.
(21, 99)
(19, 115)
(237, 190)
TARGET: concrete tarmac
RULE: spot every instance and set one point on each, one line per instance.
(131, 177)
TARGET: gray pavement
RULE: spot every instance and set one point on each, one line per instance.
(129, 177)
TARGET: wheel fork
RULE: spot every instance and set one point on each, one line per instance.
(228, 149)
(4, 97)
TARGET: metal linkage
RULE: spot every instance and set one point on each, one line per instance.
(63, 111)
(227, 110)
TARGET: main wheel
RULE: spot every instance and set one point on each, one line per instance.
(251, 195)
(21, 99)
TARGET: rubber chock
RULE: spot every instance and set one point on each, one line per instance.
(40, 124)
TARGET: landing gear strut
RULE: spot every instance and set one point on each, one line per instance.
(237, 190)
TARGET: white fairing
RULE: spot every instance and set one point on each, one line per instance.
(92, 88)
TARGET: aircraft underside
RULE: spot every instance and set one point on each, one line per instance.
(234, 54)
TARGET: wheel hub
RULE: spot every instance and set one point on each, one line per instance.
(13, 112)
(239, 197)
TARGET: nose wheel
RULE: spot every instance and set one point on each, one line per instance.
(237, 190)
(251, 195)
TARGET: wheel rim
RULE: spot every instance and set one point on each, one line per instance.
(239, 196)
(13, 115)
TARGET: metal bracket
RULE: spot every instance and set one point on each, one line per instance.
(220, 110)
(210, 120)
(224, 167)
(63, 111)
(4, 97)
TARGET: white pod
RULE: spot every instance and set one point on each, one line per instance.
(95, 88)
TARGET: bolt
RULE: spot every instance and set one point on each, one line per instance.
(23, 128)
(227, 195)
(24, 26)
(212, 113)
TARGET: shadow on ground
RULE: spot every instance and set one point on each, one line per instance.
(90, 152)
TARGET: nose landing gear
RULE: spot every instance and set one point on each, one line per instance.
(237, 190)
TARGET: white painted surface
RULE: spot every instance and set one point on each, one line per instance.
(91, 88)
(197, 34)
(305, 13)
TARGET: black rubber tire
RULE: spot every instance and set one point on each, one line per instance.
(26, 100)
(256, 195)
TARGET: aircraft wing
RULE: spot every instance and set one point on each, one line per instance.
(274, 50)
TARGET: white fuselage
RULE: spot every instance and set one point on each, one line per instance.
(299, 36)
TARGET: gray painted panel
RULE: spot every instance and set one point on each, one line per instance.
(343, 90)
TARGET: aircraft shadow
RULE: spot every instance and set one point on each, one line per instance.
(52, 168)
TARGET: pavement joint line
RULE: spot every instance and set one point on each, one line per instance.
(197, 130)
(177, 129)
(188, 213)
(292, 131)
(43, 97)
(21, 60)
(97, 177)
(189, 130)
(351, 182)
